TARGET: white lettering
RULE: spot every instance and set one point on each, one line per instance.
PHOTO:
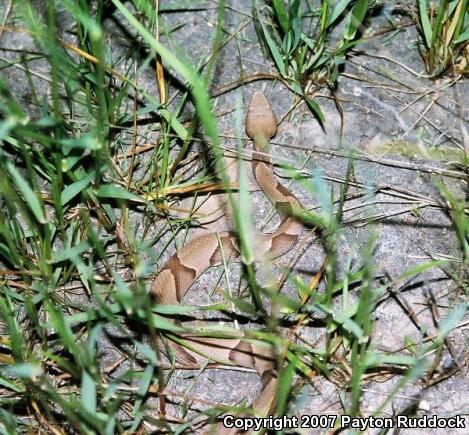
(228, 421)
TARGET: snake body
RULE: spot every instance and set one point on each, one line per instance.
(182, 269)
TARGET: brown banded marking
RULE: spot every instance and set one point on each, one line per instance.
(283, 242)
(242, 354)
(229, 250)
(286, 193)
(274, 190)
(184, 278)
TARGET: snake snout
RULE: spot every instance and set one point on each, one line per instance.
(260, 120)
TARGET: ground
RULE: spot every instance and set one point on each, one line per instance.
(394, 122)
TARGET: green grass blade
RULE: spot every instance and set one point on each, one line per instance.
(281, 14)
(274, 50)
(357, 15)
(315, 109)
(30, 197)
(338, 11)
(144, 384)
(88, 393)
(425, 21)
(74, 189)
(451, 320)
(438, 24)
(117, 192)
(285, 379)
(70, 253)
(463, 37)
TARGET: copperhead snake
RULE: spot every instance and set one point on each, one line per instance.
(182, 269)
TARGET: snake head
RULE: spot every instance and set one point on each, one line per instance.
(261, 122)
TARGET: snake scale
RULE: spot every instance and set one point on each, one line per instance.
(182, 269)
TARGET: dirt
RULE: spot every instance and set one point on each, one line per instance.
(394, 119)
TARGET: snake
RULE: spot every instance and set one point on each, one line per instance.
(178, 274)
